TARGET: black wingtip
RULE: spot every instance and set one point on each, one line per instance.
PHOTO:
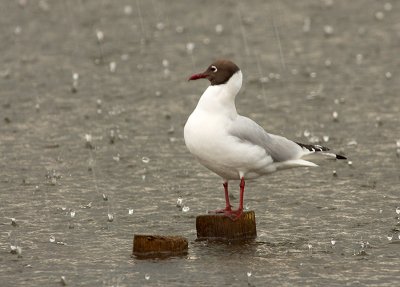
(338, 156)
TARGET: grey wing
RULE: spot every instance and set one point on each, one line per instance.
(280, 148)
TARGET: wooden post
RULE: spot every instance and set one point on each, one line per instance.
(150, 246)
(220, 227)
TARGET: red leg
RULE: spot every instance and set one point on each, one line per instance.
(227, 203)
(241, 193)
(236, 214)
(228, 206)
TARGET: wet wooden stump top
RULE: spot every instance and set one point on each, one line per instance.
(220, 227)
(147, 246)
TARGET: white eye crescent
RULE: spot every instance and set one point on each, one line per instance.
(214, 69)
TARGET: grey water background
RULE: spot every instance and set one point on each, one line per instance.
(315, 71)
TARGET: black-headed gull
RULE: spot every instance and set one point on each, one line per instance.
(233, 146)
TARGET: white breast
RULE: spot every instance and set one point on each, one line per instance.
(207, 139)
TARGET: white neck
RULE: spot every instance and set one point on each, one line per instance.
(221, 98)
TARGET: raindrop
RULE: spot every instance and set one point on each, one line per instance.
(99, 35)
(88, 141)
(128, 10)
(13, 249)
(112, 136)
(75, 80)
(364, 244)
(334, 173)
(117, 158)
(113, 67)
(171, 130)
(130, 211)
(379, 15)
(378, 122)
(219, 29)
(52, 239)
(359, 59)
(13, 222)
(398, 210)
(19, 251)
(361, 31)
(89, 205)
(44, 5)
(17, 30)
(325, 138)
(160, 26)
(206, 41)
(390, 237)
(306, 133)
(22, 3)
(179, 202)
(328, 63)
(75, 76)
(328, 30)
(185, 208)
(388, 6)
(307, 25)
(350, 163)
(335, 116)
(309, 245)
(333, 242)
(124, 57)
(167, 72)
(147, 276)
(110, 217)
(179, 29)
(105, 197)
(145, 159)
(5, 74)
(248, 273)
(247, 206)
(190, 47)
(72, 213)
(63, 281)
(165, 63)
(352, 143)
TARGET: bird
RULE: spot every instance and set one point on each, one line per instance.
(234, 146)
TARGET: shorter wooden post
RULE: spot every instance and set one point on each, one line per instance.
(221, 227)
(149, 246)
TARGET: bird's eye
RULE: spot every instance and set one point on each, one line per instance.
(214, 69)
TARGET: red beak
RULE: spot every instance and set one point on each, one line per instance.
(197, 76)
